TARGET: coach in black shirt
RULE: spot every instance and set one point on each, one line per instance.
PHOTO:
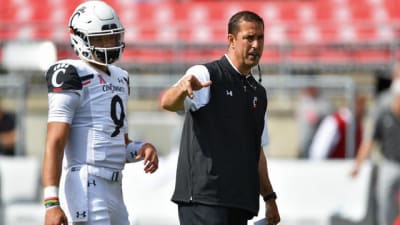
(222, 169)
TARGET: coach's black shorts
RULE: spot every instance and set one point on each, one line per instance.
(200, 214)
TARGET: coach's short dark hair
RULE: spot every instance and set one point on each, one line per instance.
(248, 16)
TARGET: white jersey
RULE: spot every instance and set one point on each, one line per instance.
(94, 104)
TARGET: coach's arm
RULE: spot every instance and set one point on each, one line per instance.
(267, 192)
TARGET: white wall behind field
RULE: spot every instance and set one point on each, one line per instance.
(309, 193)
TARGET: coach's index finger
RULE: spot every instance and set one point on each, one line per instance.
(197, 84)
(207, 83)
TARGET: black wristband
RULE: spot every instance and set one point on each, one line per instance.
(270, 196)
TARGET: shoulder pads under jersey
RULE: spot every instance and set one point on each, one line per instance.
(62, 76)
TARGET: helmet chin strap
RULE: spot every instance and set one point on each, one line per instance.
(103, 56)
(108, 56)
(92, 61)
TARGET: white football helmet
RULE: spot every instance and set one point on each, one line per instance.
(96, 33)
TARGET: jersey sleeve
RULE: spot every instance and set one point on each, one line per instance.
(62, 106)
(62, 77)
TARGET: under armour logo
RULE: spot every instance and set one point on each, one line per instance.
(82, 214)
(91, 183)
(229, 92)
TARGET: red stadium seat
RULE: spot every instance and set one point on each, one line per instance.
(333, 56)
(372, 56)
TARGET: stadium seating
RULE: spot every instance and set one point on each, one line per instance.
(177, 25)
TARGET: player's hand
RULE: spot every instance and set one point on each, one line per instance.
(272, 213)
(354, 172)
(190, 83)
(55, 216)
(149, 153)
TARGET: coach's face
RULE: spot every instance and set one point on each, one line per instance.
(247, 46)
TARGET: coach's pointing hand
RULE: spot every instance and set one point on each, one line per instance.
(173, 99)
(190, 83)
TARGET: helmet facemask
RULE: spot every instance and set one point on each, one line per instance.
(106, 48)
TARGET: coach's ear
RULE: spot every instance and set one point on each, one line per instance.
(231, 41)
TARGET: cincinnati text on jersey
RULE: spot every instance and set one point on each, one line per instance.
(113, 88)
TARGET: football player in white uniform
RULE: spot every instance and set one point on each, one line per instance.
(87, 141)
